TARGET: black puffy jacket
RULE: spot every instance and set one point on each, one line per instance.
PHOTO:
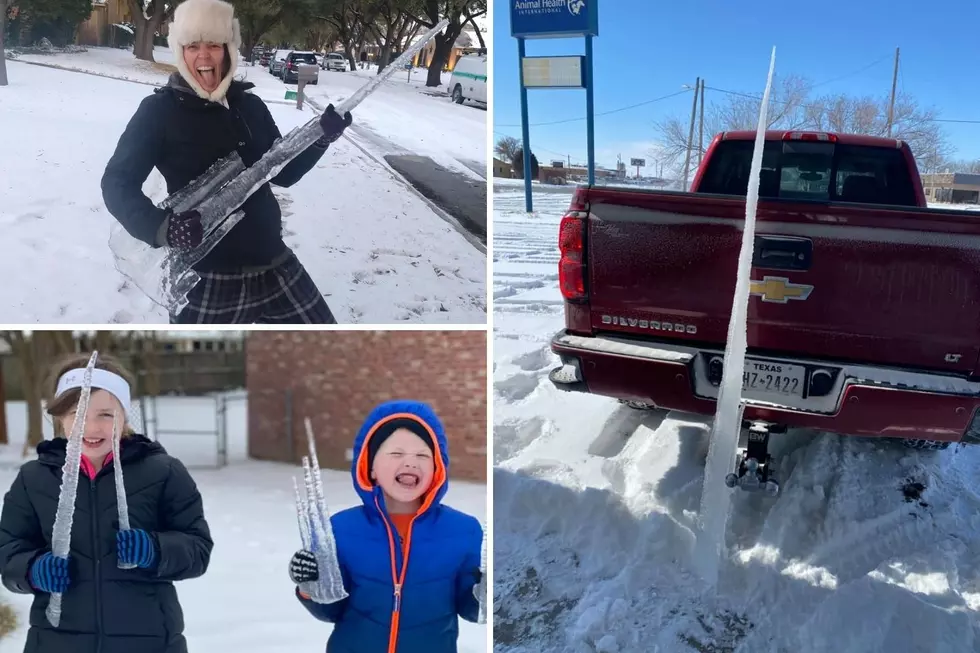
(106, 609)
(183, 135)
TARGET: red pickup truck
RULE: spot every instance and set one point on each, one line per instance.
(864, 315)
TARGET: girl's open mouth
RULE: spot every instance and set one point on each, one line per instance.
(93, 442)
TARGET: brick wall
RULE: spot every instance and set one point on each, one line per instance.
(335, 378)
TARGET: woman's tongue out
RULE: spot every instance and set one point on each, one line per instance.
(208, 76)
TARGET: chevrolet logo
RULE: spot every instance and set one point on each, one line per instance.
(779, 290)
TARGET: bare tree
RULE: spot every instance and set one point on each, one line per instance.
(430, 12)
(148, 16)
(787, 110)
(790, 108)
(4, 7)
(389, 28)
(469, 16)
(507, 148)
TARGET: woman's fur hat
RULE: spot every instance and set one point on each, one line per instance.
(207, 21)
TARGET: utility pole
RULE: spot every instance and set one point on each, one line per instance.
(690, 135)
(701, 127)
(891, 105)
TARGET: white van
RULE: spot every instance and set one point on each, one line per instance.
(469, 80)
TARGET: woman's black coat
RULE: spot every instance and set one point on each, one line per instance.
(106, 609)
(182, 135)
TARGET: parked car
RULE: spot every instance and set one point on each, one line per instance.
(290, 71)
(277, 62)
(862, 317)
(334, 61)
(469, 79)
(265, 57)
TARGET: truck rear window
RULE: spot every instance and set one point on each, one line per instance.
(808, 170)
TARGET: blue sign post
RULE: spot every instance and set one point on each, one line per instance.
(551, 19)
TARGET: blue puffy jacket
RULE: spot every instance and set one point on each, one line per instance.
(437, 570)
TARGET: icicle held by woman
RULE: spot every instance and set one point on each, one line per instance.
(105, 608)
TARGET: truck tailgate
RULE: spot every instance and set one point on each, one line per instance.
(863, 283)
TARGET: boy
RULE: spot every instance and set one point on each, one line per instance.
(409, 563)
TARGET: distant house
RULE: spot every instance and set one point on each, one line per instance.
(502, 169)
(107, 25)
(952, 187)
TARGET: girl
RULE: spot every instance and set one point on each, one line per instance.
(408, 562)
(104, 608)
(201, 116)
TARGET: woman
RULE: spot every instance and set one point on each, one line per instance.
(200, 117)
(104, 608)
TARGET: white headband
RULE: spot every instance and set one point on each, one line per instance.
(104, 379)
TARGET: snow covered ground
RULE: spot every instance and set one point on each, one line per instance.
(373, 245)
(870, 547)
(245, 601)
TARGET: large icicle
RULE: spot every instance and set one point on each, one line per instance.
(61, 532)
(122, 503)
(481, 588)
(716, 496)
(165, 274)
(316, 532)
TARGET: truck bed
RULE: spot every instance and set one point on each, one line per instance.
(863, 283)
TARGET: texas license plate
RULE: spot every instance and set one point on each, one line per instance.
(768, 379)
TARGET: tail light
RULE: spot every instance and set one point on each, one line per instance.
(571, 245)
(810, 136)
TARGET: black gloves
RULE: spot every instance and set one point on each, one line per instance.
(303, 568)
(333, 125)
(184, 230)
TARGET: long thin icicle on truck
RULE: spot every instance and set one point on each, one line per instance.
(63, 518)
(164, 274)
(715, 497)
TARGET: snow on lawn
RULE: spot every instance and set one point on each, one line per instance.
(371, 243)
(245, 601)
(595, 507)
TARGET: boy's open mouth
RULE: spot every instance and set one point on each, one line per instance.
(93, 442)
(408, 480)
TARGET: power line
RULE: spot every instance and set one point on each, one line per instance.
(824, 109)
(605, 113)
(852, 74)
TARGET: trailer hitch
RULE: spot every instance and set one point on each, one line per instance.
(753, 465)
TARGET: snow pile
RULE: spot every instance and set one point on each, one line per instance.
(374, 247)
(869, 547)
(251, 512)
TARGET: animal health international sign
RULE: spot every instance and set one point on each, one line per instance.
(548, 19)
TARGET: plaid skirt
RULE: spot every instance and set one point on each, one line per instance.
(284, 294)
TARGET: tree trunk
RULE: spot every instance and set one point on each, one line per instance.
(143, 41)
(24, 349)
(444, 45)
(3, 29)
(479, 34)
(385, 56)
(4, 439)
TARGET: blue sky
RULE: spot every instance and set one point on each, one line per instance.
(648, 49)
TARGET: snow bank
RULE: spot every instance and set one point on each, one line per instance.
(869, 547)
